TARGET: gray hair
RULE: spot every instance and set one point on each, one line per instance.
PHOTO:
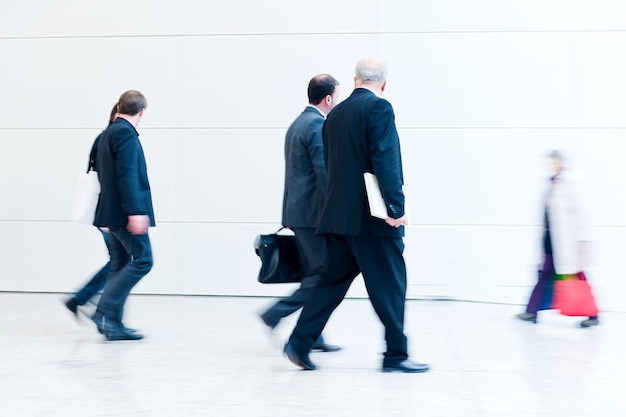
(555, 154)
(371, 70)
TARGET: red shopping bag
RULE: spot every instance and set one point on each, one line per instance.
(573, 297)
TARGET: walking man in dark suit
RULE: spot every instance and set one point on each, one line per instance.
(125, 210)
(360, 136)
(305, 187)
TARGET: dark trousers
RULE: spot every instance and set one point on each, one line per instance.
(131, 260)
(381, 262)
(97, 282)
(541, 297)
(311, 250)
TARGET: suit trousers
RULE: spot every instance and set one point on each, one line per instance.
(311, 251)
(131, 260)
(381, 262)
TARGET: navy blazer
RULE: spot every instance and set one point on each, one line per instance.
(305, 171)
(360, 136)
(121, 167)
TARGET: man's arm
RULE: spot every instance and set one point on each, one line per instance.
(386, 160)
(126, 152)
(316, 153)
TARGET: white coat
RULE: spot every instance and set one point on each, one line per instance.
(569, 225)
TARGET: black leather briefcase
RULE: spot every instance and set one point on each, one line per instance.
(280, 262)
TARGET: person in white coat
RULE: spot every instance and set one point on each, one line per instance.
(566, 238)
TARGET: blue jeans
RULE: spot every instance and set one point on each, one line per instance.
(96, 283)
(131, 260)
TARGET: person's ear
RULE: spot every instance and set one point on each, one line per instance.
(382, 88)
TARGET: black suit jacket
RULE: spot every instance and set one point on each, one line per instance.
(359, 136)
(121, 167)
(305, 170)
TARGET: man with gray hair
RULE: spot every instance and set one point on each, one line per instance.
(360, 136)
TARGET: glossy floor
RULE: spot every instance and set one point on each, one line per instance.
(211, 356)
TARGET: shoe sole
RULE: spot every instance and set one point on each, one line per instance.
(121, 339)
(417, 371)
(324, 350)
(528, 320)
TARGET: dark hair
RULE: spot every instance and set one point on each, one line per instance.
(131, 103)
(321, 86)
(113, 113)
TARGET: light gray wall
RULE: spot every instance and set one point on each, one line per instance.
(482, 90)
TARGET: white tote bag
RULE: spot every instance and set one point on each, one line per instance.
(86, 198)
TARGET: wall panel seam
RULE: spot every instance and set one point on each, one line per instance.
(289, 34)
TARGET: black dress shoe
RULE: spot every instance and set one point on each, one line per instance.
(72, 305)
(302, 361)
(406, 366)
(268, 322)
(591, 321)
(325, 347)
(114, 331)
(527, 317)
(120, 333)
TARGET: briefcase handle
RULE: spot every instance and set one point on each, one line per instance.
(258, 239)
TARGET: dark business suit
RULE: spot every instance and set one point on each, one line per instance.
(125, 191)
(360, 136)
(305, 186)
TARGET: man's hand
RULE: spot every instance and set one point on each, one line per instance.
(138, 224)
(396, 222)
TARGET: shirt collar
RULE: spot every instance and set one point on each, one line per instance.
(317, 110)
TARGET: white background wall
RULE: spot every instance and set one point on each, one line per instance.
(482, 90)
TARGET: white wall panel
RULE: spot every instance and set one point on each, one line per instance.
(446, 80)
(486, 263)
(496, 15)
(259, 81)
(38, 172)
(493, 264)
(163, 17)
(189, 82)
(39, 169)
(59, 83)
(481, 91)
(39, 18)
(608, 264)
(278, 17)
(506, 79)
(48, 256)
(230, 176)
(497, 176)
